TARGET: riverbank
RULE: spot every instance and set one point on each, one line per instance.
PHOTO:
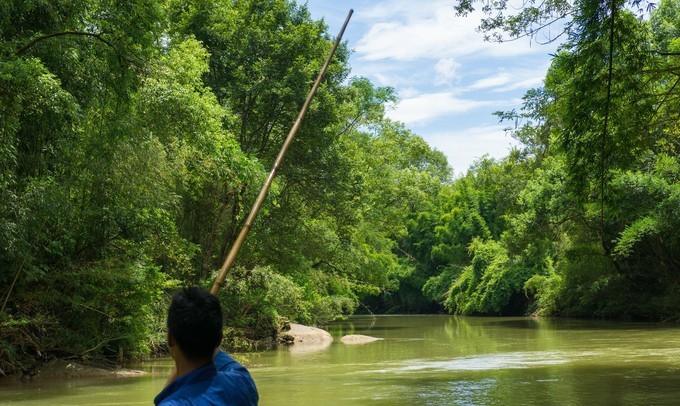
(69, 369)
(297, 337)
(39, 369)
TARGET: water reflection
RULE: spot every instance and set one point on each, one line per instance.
(305, 347)
(480, 363)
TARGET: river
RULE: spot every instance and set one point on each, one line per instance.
(433, 360)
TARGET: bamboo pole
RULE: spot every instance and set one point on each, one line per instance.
(219, 281)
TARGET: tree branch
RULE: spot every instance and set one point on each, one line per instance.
(534, 31)
(666, 53)
(605, 130)
(666, 96)
(62, 34)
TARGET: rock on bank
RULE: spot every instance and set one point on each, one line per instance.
(299, 334)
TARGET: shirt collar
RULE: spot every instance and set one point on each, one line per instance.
(185, 381)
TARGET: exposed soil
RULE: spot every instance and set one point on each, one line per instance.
(63, 369)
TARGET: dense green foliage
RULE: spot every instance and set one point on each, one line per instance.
(134, 136)
(582, 219)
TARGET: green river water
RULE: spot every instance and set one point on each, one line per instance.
(433, 360)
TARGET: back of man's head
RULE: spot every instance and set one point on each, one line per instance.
(195, 322)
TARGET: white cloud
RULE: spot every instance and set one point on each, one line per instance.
(398, 75)
(505, 81)
(493, 81)
(409, 92)
(529, 83)
(446, 70)
(463, 147)
(408, 30)
(407, 9)
(382, 79)
(425, 107)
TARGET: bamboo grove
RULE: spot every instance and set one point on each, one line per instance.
(134, 136)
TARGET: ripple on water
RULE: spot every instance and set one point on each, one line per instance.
(484, 362)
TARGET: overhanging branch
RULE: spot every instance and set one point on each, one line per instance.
(97, 36)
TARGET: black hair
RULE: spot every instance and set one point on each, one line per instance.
(195, 321)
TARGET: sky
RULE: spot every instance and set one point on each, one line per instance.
(448, 79)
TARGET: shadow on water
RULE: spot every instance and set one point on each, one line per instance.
(384, 328)
(570, 324)
(360, 325)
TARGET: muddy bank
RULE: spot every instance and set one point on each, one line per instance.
(63, 369)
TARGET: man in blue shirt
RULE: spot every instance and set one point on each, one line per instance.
(204, 375)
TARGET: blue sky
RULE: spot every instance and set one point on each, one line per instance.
(449, 81)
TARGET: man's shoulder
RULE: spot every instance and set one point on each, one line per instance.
(235, 380)
(224, 361)
(231, 394)
(228, 366)
(231, 385)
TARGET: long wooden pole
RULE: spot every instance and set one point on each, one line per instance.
(219, 281)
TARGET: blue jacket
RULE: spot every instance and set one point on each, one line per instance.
(222, 382)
